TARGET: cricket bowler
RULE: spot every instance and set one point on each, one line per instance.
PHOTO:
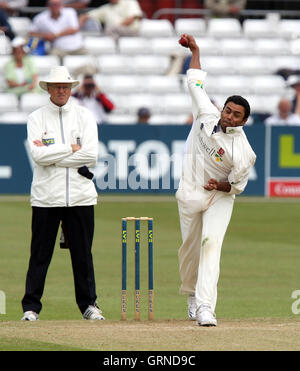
(216, 166)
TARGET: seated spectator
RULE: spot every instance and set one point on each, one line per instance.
(143, 115)
(284, 115)
(225, 8)
(119, 17)
(12, 7)
(20, 72)
(59, 26)
(81, 5)
(294, 82)
(90, 96)
(5, 26)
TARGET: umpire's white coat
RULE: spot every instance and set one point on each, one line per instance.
(205, 215)
(56, 182)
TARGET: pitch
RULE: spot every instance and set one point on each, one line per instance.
(259, 273)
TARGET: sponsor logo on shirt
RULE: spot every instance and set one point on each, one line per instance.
(217, 155)
(210, 151)
(48, 141)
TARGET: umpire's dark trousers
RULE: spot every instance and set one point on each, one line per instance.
(79, 230)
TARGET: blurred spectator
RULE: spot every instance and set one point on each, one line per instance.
(5, 26)
(143, 115)
(225, 8)
(81, 5)
(12, 7)
(284, 115)
(59, 26)
(186, 64)
(90, 96)
(294, 82)
(20, 72)
(119, 17)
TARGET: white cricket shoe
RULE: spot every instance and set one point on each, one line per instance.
(30, 316)
(205, 316)
(93, 313)
(192, 307)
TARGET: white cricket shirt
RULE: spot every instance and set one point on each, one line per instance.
(43, 22)
(211, 153)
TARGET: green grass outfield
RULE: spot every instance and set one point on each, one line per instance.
(259, 264)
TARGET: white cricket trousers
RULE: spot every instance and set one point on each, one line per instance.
(202, 232)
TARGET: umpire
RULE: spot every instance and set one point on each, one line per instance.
(63, 141)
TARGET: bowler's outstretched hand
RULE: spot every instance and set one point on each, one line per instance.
(188, 41)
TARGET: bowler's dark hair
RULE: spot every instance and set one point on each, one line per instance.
(237, 99)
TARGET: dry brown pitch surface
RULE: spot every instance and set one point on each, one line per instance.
(254, 334)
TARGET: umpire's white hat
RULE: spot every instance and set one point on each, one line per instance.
(59, 74)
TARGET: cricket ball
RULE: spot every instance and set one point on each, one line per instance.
(184, 41)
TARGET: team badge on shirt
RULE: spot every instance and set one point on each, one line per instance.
(199, 83)
(219, 154)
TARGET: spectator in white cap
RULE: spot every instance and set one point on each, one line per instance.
(293, 81)
(63, 143)
(20, 71)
